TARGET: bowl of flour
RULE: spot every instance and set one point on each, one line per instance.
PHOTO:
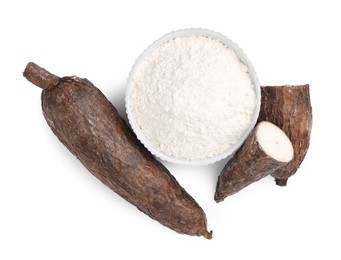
(192, 97)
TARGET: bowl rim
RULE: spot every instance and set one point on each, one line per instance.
(227, 153)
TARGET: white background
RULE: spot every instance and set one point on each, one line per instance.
(52, 208)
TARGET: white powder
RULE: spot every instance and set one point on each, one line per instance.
(192, 98)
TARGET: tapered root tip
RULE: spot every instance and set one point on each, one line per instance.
(281, 182)
(207, 234)
(218, 199)
(219, 196)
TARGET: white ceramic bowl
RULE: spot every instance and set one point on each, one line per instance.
(188, 32)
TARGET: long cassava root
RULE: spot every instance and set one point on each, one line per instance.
(91, 128)
(266, 149)
(290, 109)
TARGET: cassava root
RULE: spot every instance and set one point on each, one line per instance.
(266, 149)
(290, 109)
(91, 128)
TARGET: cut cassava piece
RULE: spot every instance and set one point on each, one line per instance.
(290, 109)
(266, 149)
(91, 128)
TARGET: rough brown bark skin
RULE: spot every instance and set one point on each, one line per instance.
(91, 128)
(290, 109)
(249, 164)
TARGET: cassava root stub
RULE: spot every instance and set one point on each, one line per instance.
(91, 128)
(266, 149)
(289, 108)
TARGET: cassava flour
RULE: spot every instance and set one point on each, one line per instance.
(192, 97)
